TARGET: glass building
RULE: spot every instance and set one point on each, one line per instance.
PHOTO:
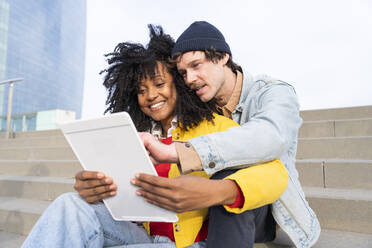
(42, 41)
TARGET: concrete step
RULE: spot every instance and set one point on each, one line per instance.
(335, 148)
(336, 128)
(11, 240)
(334, 239)
(328, 239)
(308, 148)
(311, 172)
(19, 215)
(51, 168)
(39, 153)
(47, 141)
(32, 187)
(342, 174)
(337, 113)
(30, 134)
(342, 209)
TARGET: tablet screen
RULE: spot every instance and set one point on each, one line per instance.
(111, 144)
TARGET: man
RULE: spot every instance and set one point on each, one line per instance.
(268, 112)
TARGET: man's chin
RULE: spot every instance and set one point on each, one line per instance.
(205, 98)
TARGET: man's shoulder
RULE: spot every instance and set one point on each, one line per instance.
(264, 80)
(253, 85)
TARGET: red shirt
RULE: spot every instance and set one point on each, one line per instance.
(166, 229)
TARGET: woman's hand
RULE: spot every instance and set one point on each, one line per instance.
(94, 186)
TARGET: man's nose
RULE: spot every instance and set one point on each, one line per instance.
(190, 78)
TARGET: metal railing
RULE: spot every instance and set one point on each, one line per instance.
(10, 100)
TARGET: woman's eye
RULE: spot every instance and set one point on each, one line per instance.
(160, 84)
(141, 91)
(195, 65)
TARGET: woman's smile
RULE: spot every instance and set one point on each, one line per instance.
(157, 96)
(157, 106)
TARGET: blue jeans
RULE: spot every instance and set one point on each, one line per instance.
(71, 222)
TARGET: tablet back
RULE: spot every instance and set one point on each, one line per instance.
(111, 144)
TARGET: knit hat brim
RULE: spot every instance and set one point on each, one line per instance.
(197, 45)
(201, 36)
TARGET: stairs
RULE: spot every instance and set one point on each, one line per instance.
(35, 168)
(334, 161)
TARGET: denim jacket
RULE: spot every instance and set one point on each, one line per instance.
(268, 112)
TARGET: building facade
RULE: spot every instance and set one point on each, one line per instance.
(43, 42)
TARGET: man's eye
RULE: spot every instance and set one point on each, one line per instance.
(160, 84)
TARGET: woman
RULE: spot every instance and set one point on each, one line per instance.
(143, 82)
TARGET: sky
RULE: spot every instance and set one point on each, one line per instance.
(322, 48)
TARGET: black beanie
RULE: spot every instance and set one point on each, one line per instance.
(201, 36)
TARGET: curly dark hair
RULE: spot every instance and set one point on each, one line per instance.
(130, 63)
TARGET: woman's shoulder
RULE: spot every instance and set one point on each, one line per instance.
(223, 120)
(218, 124)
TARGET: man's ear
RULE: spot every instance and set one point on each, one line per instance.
(225, 58)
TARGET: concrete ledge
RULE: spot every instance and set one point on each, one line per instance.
(40, 188)
(341, 239)
(46, 141)
(310, 173)
(348, 174)
(314, 129)
(338, 128)
(51, 168)
(20, 215)
(335, 148)
(361, 127)
(334, 239)
(337, 113)
(39, 153)
(11, 240)
(334, 173)
(54, 132)
(347, 210)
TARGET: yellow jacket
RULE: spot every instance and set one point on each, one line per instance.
(249, 180)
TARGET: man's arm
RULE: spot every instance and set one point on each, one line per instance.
(264, 137)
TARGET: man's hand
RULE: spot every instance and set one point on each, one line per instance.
(185, 193)
(93, 186)
(159, 152)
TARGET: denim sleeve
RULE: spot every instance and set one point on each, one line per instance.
(269, 131)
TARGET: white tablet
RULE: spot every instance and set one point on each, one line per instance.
(111, 144)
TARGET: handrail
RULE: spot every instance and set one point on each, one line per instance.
(10, 100)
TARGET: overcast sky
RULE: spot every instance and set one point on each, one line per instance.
(323, 48)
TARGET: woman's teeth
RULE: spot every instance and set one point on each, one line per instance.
(156, 105)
